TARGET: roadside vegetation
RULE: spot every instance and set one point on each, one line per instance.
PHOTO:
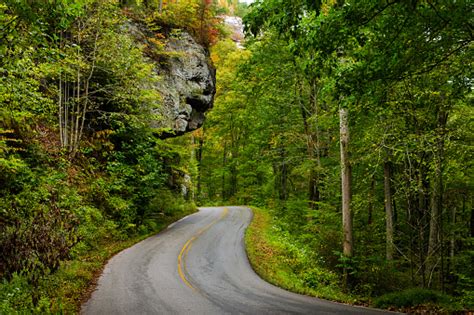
(283, 260)
(64, 290)
(278, 258)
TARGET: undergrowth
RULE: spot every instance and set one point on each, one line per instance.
(66, 289)
(278, 259)
(411, 298)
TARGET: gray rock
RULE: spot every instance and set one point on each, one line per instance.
(187, 82)
(187, 85)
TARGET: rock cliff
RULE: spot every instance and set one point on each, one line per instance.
(188, 84)
(187, 81)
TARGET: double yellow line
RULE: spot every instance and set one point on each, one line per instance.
(184, 251)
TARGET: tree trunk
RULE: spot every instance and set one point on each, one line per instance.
(371, 200)
(199, 162)
(435, 234)
(346, 184)
(421, 218)
(224, 163)
(388, 210)
(314, 146)
(452, 241)
(283, 176)
(160, 7)
(311, 144)
(472, 215)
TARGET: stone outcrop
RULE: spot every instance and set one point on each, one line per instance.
(187, 81)
(236, 26)
(188, 84)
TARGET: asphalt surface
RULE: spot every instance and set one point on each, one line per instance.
(198, 266)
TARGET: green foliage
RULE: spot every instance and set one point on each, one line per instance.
(70, 69)
(280, 258)
(400, 70)
(15, 297)
(411, 297)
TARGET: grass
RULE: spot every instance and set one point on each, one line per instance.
(277, 260)
(71, 285)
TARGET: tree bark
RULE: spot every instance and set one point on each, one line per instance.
(199, 162)
(224, 164)
(388, 210)
(371, 201)
(311, 144)
(472, 215)
(348, 248)
(435, 243)
(160, 7)
(283, 175)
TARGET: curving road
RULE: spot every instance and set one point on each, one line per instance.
(198, 266)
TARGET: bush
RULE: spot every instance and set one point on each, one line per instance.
(410, 298)
(16, 298)
(317, 277)
(36, 236)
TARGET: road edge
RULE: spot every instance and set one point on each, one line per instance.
(266, 276)
(124, 245)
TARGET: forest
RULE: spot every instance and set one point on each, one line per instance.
(345, 125)
(351, 122)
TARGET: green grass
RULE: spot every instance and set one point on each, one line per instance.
(276, 259)
(65, 290)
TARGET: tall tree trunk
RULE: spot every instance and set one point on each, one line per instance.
(421, 220)
(224, 163)
(452, 240)
(160, 7)
(283, 175)
(371, 200)
(315, 145)
(234, 151)
(313, 180)
(66, 113)
(348, 248)
(472, 214)
(86, 89)
(60, 112)
(388, 210)
(199, 162)
(435, 234)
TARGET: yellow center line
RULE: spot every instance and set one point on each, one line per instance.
(184, 251)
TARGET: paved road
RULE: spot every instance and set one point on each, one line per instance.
(198, 266)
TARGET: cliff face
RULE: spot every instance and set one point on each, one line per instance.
(187, 81)
(188, 85)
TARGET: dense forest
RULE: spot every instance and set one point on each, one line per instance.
(352, 122)
(346, 125)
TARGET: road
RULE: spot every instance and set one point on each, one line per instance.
(198, 266)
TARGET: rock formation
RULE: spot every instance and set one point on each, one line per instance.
(188, 85)
(187, 81)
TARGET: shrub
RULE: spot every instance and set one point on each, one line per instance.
(16, 297)
(410, 298)
(38, 241)
(317, 277)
